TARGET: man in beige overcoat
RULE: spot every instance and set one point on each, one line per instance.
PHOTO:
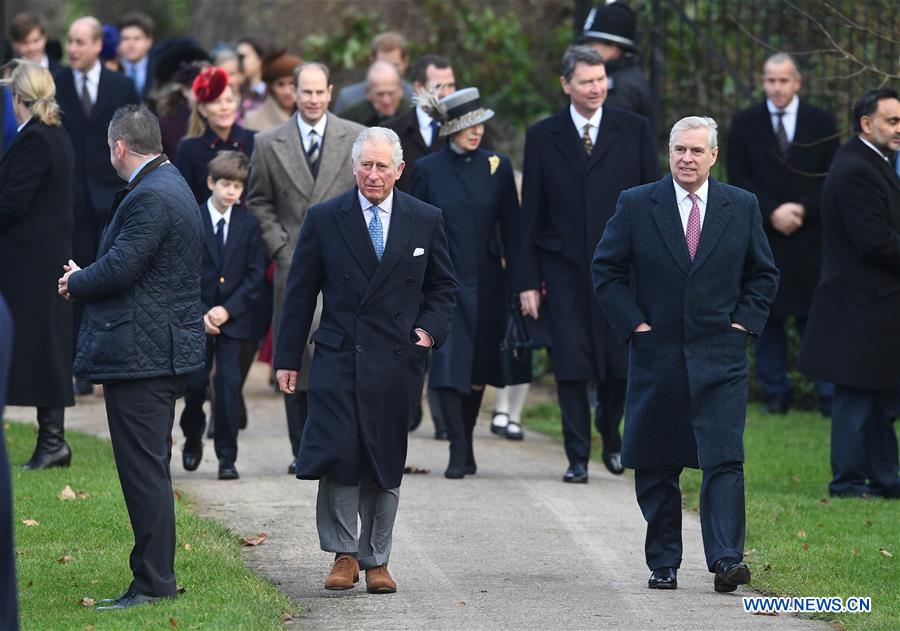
(295, 165)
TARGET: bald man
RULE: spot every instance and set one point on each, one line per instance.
(88, 94)
(384, 96)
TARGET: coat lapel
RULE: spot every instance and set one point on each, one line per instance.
(235, 230)
(104, 87)
(353, 228)
(209, 233)
(718, 214)
(402, 221)
(289, 150)
(665, 214)
(412, 131)
(566, 139)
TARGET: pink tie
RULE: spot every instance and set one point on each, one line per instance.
(693, 227)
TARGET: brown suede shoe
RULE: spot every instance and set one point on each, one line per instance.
(379, 581)
(344, 573)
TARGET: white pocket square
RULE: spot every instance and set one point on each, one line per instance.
(418, 251)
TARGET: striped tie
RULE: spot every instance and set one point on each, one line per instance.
(312, 154)
(586, 139)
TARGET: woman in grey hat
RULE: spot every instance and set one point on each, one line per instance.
(477, 194)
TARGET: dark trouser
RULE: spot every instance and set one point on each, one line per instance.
(771, 361)
(295, 408)
(460, 413)
(576, 416)
(141, 413)
(722, 517)
(8, 605)
(245, 361)
(863, 442)
(226, 387)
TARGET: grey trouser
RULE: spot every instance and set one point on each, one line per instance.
(337, 508)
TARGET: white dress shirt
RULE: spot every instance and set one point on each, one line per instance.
(93, 81)
(685, 204)
(215, 215)
(385, 215)
(789, 119)
(424, 125)
(305, 128)
(580, 121)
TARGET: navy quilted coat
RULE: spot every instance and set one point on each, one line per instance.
(143, 316)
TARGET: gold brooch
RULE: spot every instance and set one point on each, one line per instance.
(494, 161)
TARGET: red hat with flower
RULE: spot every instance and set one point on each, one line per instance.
(210, 83)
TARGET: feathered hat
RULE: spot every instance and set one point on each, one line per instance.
(209, 84)
(457, 111)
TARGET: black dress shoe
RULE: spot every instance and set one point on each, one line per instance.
(126, 600)
(613, 462)
(192, 455)
(440, 434)
(576, 474)
(227, 472)
(292, 468)
(729, 574)
(777, 405)
(663, 578)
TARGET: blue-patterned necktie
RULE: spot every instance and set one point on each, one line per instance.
(376, 232)
(435, 132)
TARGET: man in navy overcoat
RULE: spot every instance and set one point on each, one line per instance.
(702, 279)
(576, 164)
(381, 260)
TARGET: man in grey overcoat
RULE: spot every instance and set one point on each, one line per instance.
(295, 165)
(702, 279)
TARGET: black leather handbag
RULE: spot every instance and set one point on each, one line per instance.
(515, 349)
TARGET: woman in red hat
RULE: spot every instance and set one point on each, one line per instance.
(211, 129)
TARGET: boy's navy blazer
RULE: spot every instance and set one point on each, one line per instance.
(234, 280)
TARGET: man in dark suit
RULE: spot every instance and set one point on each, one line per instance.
(135, 43)
(780, 150)
(88, 94)
(142, 335)
(388, 292)
(685, 273)
(384, 96)
(576, 164)
(9, 618)
(853, 337)
(417, 130)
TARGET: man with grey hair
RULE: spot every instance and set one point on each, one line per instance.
(576, 164)
(295, 165)
(381, 261)
(685, 274)
(781, 149)
(384, 96)
(141, 335)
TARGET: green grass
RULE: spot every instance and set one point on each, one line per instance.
(800, 542)
(219, 591)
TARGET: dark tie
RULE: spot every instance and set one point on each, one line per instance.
(435, 130)
(781, 134)
(376, 232)
(86, 102)
(692, 234)
(220, 236)
(312, 154)
(586, 139)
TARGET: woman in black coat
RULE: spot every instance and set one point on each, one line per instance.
(476, 191)
(36, 219)
(211, 129)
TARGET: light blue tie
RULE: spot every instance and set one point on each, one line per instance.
(376, 231)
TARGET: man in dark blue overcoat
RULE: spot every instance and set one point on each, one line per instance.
(703, 280)
(576, 164)
(381, 260)
(9, 618)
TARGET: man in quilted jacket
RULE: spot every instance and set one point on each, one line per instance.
(142, 333)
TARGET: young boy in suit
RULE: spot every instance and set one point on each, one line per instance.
(232, 272)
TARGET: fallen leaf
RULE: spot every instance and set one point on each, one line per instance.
(767, 568)
(82, 495)
(412, 469)
(824, 500)
(885, 553)
(96, 581)
(177, 493)
(287, 616)
(801, 534)
(868, 522)
(86, 602)
(67, 493)
(88, 627)
(250, 540)
(30, 583)
(179, 589)
(64, 559)
(173, 622)
(186, 546)
(765, 613)
(461, 603)
(853, 551)
(30, 522)
(806, 546)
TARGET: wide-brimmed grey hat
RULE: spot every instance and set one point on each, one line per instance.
(456, 111)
